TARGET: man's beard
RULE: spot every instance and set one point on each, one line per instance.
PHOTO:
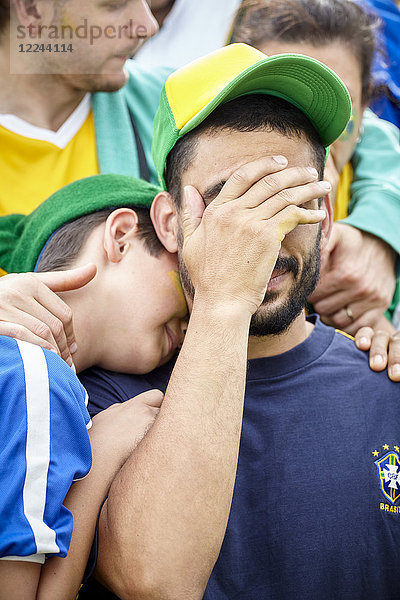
(273, 321)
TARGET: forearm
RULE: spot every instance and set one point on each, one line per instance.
(165, 518)
(19, 580)
(61, 577)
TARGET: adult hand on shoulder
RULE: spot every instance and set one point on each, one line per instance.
(357, 279)
(231, 246)
(31, 311)
(383, 344)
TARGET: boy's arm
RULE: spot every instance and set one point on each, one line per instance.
(114, 435)
(162, 526)
(19, 580)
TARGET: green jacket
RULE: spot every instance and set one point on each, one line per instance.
(375, 191)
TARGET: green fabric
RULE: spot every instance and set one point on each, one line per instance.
(375, 191)
(303, 81)
(116, 147)
(23, 237)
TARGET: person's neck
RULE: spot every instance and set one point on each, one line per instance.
(271, 345)
(87, 327)
(43, 100)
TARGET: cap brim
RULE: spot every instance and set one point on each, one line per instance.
(304, 82)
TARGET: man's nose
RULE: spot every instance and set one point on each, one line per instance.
(145, 23)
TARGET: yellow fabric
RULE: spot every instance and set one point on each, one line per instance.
(341, 208)
(32, 170)
(186, 93)
(345, 334)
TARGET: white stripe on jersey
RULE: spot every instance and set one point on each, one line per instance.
(37, 445)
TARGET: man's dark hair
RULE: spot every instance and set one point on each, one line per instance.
(4, 15)
(66, 243)
(255, 112)
(317, 22)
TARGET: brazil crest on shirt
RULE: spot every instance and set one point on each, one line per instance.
(389, 476)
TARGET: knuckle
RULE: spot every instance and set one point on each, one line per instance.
(363, 288)
(240, 176)
(287, 197)
(57, 328)
(339, 320)
(42, 330)
(66, 314)
(269, 183)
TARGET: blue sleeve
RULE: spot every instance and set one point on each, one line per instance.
(108, 387)
(44, 447)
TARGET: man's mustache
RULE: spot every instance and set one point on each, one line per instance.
(287, 263)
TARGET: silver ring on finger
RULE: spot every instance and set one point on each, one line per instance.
(349, 313)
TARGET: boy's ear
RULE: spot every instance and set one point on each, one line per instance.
(120, 229)
(164, 217)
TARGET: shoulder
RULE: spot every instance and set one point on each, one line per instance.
(374, 127)
(350, 368)
(40, 376)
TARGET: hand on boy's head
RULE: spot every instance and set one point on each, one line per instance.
(31, 311)
(231, 246)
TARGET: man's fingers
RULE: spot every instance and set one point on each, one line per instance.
(247, 175)
(394, 357)
(53, 305)
(363, 338)
(379, 348)
(296, 185)
(72, 279)
(291, 216)
(19, 332)
(193, 210)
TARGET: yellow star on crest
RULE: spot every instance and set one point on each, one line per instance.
(375, 453)
(385, 447)
(397, 448)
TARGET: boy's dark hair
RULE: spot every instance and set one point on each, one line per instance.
(66, 243)
(253, 112)
(318, 22)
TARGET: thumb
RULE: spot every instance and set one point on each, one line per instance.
(193, 209)
(73, 279)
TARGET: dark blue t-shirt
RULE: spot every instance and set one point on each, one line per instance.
(316, 506)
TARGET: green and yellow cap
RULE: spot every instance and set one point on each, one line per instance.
(23, 237)
(193, 92)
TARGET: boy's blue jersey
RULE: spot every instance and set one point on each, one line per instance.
(44, 447)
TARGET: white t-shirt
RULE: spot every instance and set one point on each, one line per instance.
(192, 28)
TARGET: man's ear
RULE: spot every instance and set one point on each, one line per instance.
(164, 217)
(120, 229)
(30, 12)
(326, 225)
